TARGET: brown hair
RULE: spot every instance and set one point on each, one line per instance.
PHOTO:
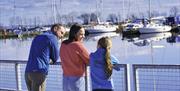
(54, 26)
(106, 43)
(72, 34)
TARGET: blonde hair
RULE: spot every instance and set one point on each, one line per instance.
(106, 43)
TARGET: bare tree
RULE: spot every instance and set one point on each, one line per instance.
(94, 17)
(133, 17)
(11, 20)
(112, 18)
(174, 11)
(154, 13)
(119, 17)
(141, 15)
(85, 17)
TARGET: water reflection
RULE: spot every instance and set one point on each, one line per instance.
(146, 39)
(97, 36)
(174, 39)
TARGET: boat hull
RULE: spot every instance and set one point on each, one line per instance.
(157, 29)
(101, 29)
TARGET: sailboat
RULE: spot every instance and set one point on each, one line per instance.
(100, 27)
(154, 27)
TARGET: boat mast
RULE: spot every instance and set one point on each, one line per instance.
(53, 7)
(102, 10)
(123, 12)
(97, 11)
(14, 13)
(0, 18)
(60, 8)
(149, 10)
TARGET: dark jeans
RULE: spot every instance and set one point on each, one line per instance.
(102, 90)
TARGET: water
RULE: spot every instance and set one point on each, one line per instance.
(145, 49)
(161, 48)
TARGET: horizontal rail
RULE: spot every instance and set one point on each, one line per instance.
(156, 77)
(154, 66)
(54, 81)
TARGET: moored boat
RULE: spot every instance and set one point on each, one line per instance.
(101, 28)
(154, 28)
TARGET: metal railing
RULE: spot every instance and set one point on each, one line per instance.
(131, 77)
(12, 77)
(156, 77)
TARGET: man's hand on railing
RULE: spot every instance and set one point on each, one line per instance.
(51, 62)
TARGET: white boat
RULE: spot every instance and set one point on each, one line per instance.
(101, 28)
(154, 28)
(134, 25)
(155, 25)
(131, 26)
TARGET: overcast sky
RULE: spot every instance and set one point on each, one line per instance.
(43, 8)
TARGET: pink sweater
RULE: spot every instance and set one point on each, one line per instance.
(74, 57)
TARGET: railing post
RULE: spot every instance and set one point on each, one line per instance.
(126, 79)
(136, 78)
(130, 76)
(18, 77)
(86, 78)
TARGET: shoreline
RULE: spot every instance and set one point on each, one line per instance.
(8, 35)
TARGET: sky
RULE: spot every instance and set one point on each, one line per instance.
(45, 10)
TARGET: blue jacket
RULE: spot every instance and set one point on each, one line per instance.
(97, 69)
(43, 48)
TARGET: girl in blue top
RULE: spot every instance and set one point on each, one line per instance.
(101, 66)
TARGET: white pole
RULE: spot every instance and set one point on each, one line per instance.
(130, 77)
(18, 77)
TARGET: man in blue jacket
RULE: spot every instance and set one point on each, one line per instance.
(44, 48)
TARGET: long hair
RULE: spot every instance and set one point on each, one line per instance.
(72, 33)
(105, 42)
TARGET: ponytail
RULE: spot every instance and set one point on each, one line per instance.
(108, 65)
(105, 42)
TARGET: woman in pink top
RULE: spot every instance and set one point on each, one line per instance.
(74, 58)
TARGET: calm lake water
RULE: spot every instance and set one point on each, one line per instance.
(157, 48)
(160, 48)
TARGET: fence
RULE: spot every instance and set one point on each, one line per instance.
(136, 77)
(12, 77)
(157, 77)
